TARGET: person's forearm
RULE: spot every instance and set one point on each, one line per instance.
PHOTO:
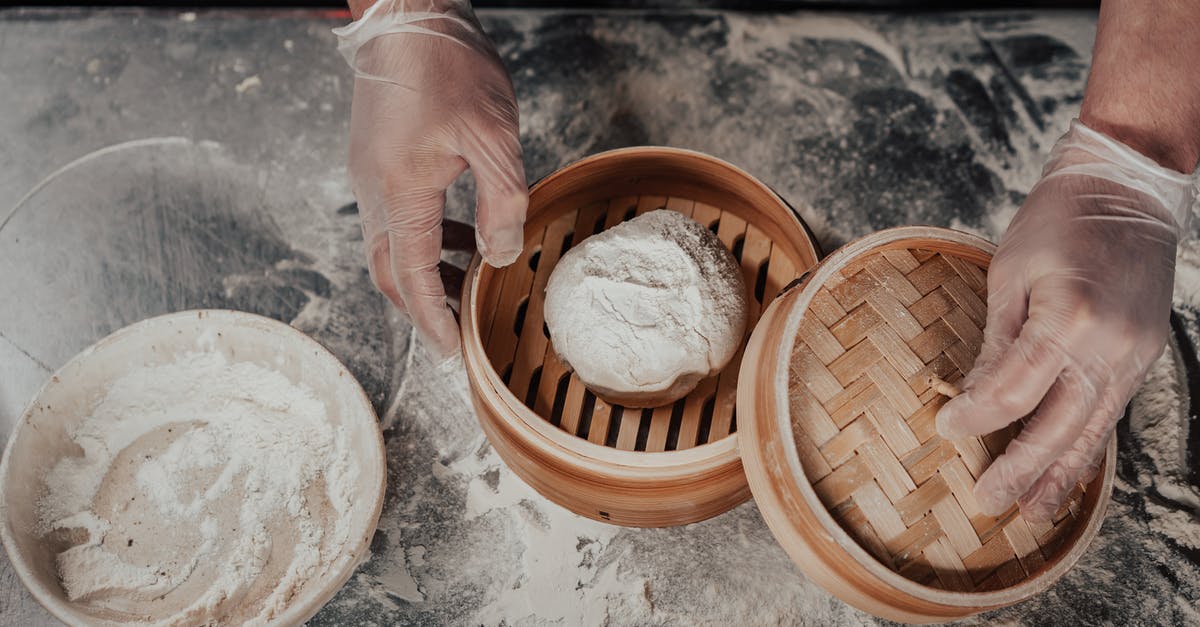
(1144, 87)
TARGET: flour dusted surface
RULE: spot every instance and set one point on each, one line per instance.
(648, 307)
(207, 492)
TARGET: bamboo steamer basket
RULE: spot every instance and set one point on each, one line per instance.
(830, 406)
(839, 444)
(663, 466)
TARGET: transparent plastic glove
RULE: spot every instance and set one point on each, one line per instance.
(431, 98)
(1079, 301)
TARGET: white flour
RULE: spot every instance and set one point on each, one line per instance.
(645, 303)
(209, 444)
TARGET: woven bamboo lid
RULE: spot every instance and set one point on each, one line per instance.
(839, 444)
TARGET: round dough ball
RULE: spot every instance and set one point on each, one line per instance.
(647, 309)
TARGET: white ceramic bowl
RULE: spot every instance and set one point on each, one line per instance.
(41, 438)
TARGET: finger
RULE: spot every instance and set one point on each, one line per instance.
(379, 267)
(1078, 465)
(1057, 424)
(1006, 311)
(501, 194)
(415, 258)
(1006, 389)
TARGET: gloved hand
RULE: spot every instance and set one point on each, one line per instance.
(431, 98)
(1079, 301)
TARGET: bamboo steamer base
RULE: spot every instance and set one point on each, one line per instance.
(843, 457)
(658, 466)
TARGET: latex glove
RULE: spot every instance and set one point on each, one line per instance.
(1079, 303)
(431, 98)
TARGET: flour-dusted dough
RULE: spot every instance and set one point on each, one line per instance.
(647, 309)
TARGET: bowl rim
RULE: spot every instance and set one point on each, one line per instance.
(1034, 584)
(300, 608)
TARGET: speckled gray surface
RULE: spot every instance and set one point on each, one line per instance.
(142, 173)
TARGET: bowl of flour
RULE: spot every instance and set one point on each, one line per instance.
(204, 467)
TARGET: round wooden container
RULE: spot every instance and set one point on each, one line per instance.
(662, 466)
(838, 439)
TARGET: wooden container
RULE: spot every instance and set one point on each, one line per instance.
(656, 467)
(43, 437)
(832, 398)
(840, 449)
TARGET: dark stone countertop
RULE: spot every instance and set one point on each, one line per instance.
(155, 161)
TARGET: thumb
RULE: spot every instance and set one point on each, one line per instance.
(501, 196)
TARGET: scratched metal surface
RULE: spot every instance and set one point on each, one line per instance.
(157, 161)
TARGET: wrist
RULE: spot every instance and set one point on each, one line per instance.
(451, 19)
(1174, 145)
(359, 8)
(1086, 152)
